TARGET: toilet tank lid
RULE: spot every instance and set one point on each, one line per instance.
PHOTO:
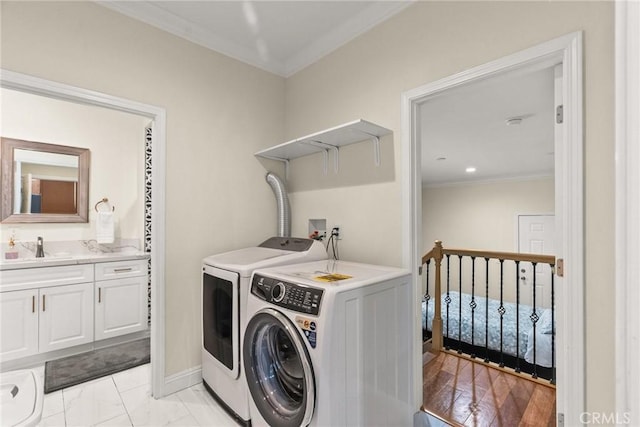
(22, 398)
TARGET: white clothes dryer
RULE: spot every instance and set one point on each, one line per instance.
(225, 285)
(327, 343)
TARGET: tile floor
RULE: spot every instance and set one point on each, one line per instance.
(124, 399)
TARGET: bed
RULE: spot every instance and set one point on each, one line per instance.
(544, 352)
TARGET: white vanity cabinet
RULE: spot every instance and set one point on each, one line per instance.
(121, 298)
(45, 309)
(66, 316)
(19, 324)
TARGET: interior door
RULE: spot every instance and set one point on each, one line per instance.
(58, 197)
(536, 235)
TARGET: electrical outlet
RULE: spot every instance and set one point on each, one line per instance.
(337, 232)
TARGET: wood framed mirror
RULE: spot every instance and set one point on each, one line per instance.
(44, 183)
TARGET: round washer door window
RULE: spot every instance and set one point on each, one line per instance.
(278, 370)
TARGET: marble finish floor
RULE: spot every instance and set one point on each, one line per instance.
(124, 399)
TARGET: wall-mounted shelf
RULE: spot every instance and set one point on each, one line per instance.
(328, 140)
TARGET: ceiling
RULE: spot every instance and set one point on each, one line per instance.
(281, 37)
(461, 127)
(467, 127)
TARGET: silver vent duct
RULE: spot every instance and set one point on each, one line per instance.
(284, 210)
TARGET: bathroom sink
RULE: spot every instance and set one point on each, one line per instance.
(28, 262)
(61, 256)
(17, 260)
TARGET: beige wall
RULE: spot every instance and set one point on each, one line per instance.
(426, 42)
(482, 215)
(115, 140)
(219, 112)
(213, 131)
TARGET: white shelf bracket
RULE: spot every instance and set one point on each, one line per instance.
(325, 160)
(280, 159)
(376, 150)
(326, 147)
(375, 139)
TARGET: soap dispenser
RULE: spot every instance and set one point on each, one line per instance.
(39, 248)
(12, 252)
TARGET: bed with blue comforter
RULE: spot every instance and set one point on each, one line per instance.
(450, 326)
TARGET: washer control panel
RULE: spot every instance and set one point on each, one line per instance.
(296, 297)
(293, 244)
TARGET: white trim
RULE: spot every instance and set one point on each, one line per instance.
(182, 380)
(627, 283)
(374, 14)
(487, 181)
(568, 50)
(411, 227)
(42, 87)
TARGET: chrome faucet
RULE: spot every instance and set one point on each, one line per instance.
(39, 248)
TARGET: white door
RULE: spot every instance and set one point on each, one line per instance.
(66, 316)
(121, 306)
(536, 235)
(19, 328)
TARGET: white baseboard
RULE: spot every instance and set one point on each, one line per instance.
(181, 380)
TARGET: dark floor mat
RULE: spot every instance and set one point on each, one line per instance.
(72, 370)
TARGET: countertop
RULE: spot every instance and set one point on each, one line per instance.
(71, 253)
(68, 259)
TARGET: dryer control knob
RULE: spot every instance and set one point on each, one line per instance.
(278, 291)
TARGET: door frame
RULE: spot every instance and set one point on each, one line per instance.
(42, 87)
(570, 397)
(627, 281)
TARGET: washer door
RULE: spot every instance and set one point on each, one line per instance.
(278, 370)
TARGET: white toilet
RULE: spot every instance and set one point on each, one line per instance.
(22, 398)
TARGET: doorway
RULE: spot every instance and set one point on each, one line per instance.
(41, 87)
(568, 199)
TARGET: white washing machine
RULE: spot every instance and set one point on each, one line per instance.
(225, 285)
(327, 343)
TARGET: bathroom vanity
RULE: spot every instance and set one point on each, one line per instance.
(56, 303)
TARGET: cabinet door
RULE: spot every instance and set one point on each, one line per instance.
(66, 316)
(19, 326)
(121, 306)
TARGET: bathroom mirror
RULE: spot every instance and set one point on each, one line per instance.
(44, 182)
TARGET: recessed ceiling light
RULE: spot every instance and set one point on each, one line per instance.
(470, 169)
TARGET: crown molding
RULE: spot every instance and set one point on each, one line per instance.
(155, 16)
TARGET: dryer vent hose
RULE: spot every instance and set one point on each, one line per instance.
(284, 210)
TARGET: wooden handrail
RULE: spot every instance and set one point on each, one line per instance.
(511, 256)
(438, 253)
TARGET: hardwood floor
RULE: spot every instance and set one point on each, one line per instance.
(469, 393)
